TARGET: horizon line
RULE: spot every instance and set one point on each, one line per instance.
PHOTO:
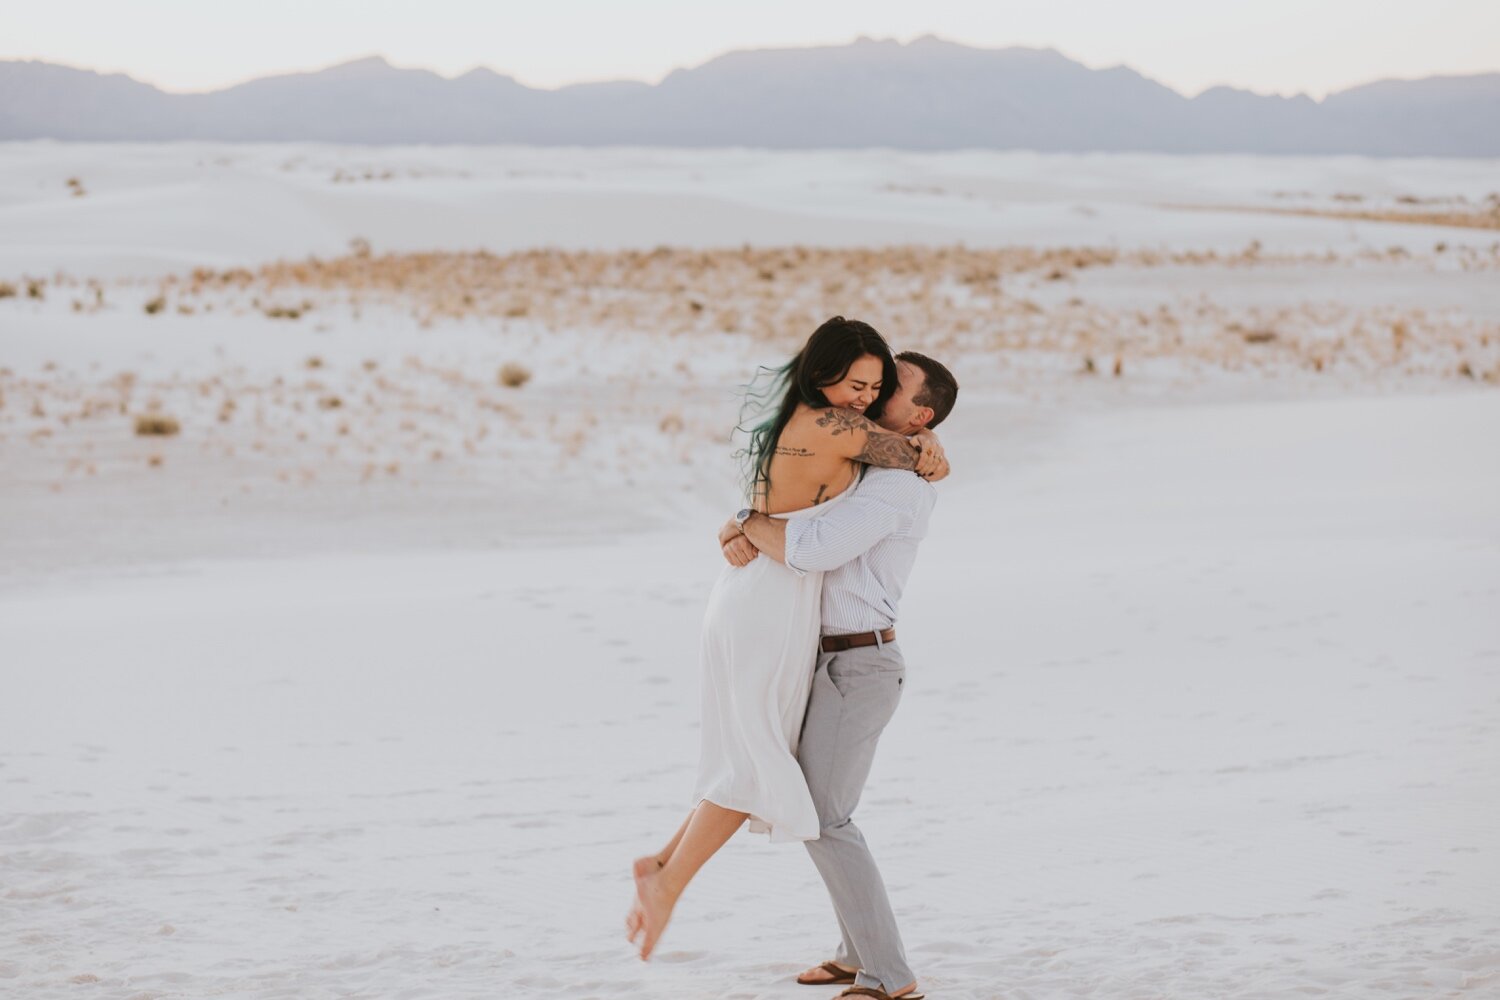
(385, 59)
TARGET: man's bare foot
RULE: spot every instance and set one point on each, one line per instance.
(655, 897)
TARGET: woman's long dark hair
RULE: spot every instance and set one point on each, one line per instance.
(823, 361)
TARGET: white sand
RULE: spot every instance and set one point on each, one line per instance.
(1198, 707)
(1204, 670)
(156, 208)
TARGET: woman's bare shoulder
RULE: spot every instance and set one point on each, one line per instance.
(829, 421)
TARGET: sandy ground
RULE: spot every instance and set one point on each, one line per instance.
(1183, 720)
(377, 698)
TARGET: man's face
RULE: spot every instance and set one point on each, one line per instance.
(900, 412)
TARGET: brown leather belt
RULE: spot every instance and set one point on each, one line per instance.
(839, 643)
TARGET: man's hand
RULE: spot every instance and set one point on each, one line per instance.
(932, 464)
(738, 550)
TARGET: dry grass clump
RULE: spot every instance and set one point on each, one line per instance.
(75, 185)
(513, 375)
(991, 303)
(156, 305)
(156, 425)
(775, 294)
(7, 290)
(1485, 215)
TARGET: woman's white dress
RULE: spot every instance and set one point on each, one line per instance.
(760, 645)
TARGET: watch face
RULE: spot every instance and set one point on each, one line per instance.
(743, 516)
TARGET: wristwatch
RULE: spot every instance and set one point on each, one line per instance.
(741, 518)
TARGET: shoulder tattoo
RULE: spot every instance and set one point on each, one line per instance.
(843, 421)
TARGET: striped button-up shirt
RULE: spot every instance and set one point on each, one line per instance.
(866, 546)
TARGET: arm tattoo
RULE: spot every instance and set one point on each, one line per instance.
(888, 451)
(794, 452)
(843, 421)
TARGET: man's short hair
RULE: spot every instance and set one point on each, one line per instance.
(939, 388)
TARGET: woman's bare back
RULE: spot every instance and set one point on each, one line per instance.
(819, 453)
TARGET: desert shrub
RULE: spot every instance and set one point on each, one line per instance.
(513, 375)
(156, 425)
(7, 290)
(156, 305)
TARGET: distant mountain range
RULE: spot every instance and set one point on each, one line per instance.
(924, 95)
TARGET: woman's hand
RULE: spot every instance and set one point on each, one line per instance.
(730, 530)
(738, 550)
(932, 464)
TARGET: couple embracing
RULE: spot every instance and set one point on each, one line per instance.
(801, 668)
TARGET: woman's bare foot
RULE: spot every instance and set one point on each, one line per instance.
(638, 869)
(655, 898)
(818, 974)
(633, 922)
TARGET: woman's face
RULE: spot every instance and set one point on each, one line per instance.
(859, 387)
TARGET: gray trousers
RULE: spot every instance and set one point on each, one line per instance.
(854, 695)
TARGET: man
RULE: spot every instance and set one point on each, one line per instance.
(866, 547)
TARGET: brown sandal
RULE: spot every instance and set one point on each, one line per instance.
(839, 976)
(870, 991)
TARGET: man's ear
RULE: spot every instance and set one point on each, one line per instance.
(923, 416)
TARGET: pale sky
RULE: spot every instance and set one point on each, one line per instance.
(1270, 46)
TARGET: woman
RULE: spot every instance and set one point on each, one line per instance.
(761, 628)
